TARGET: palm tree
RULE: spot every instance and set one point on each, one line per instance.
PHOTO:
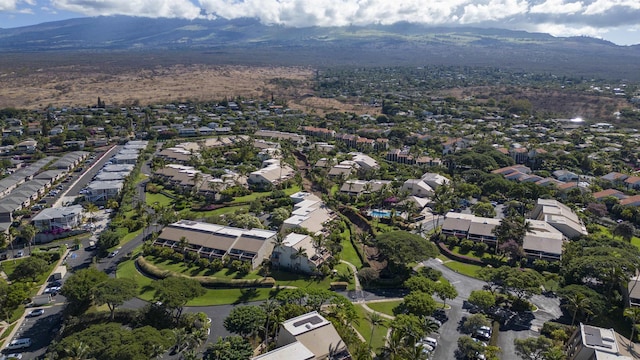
(29, 232)
(180, 336)
(577, 302)
(13, 232)
(4, 237)
(430, 326)
(91, 208)
(77, 351)
(183, 244)
(374, 320)
(633, 314)
(299, 254)
(271, 308)
(395, 347)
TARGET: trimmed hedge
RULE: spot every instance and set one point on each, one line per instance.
(206, 281)
(461, 258)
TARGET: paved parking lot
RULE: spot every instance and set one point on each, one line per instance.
(41, 330)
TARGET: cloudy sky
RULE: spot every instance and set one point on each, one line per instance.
(614, 20)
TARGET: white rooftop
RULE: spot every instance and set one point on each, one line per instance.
(304, 323)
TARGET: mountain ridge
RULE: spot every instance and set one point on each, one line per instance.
(247, 40)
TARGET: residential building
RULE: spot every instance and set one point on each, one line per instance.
(298, 253)
(594, 343)
(358, 187)
(27, 146)
(270, 134)
(309, 212)
(600, 195)
(543, 241)
(214, 241)
(417, 187)
(365, 162)
(344, 169)
(101, 191)
(434, 180)
(559, 216)
(633, 291)
(632, 182)
(271, 173)
(565, 175)
(306, 337)
(631, 201)
(58, 219)
(615, 177)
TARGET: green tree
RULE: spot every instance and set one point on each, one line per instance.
(375, 320)
(114, 292)
(420, 283)
(581, 301)
(229, 348)
(91, 209)
(474, 322)
(625, 230)
(245, 320)
(445, 291)
(175, 292)
(633, 315)
(246, 221)
(400, 248)
(78, 289)
(279, 215)
(468, 348)
(533, 348)
(28, 232)
(409, 326)
(30, 268)
(418, 303)
(482, 299)
(483, 209)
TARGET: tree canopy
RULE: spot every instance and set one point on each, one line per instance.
(245, 320)
(400, 248)
(175, 292)
(114, 292)
(229, 348)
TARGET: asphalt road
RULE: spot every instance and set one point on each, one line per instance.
(90, 170)
(40, 330)
(548, 309)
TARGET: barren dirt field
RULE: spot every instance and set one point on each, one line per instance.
(81, 85)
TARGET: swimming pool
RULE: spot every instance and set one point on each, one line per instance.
(380, 213)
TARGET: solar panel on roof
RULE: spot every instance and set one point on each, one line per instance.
(314, 320)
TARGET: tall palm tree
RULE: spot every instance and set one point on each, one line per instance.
(576, 303)
(180, 336)
(375, 320)
(183, 244)
(395, 347)
(272, 309)
(633, 314)
(91, 208)
(29, 232)
(13, 232)
(4, 238)
(299, 254)
(430, 326)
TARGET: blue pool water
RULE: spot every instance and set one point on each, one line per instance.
(380, 213)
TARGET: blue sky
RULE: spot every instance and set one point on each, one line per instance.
(614, 20)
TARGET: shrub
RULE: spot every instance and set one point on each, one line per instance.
(431, 273)
(466, 246)
(216, 265)
(451, 241)
(480, 248)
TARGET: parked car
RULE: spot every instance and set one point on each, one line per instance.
(114, 253)
(36, 312)
(20, 253)
(13, 356)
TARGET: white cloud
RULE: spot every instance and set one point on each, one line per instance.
(559, 17)
(599, 7)
(557, 7)
(12, 5)
(145, 8)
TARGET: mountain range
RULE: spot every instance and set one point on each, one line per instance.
(248, 41)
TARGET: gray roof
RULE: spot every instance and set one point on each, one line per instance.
(58, 212)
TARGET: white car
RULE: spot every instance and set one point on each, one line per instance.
(11, 356)
(430, 341)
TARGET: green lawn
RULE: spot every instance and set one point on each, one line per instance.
(364, 328)
(128, 269)
(130, 236)
(182, 268)
(216, 212)
(635, 241)
(462, 268)
(9, 266)
(257, 195)
(160, 199)
(385, 307)
(141, 177)
(348, 252)
(284, 278)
